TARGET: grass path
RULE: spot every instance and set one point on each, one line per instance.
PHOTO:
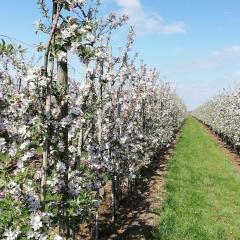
(202, 198)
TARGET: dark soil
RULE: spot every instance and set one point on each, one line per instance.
(137, 213)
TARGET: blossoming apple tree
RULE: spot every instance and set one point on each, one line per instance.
(61, 140)
(222, 115)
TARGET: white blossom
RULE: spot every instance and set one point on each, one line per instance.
(61, 167)
(36, 222)
(62, 56)
(10, 234)
(57, 237)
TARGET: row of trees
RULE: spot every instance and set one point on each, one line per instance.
(222, 115)
(61, 140)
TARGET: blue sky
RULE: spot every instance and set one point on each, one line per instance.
(194, 44)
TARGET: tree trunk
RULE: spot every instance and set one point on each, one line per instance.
(62, 80)
(48, 70)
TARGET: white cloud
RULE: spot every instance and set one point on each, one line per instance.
(227, 52)
(219, 58)
(215, 59)
(129, 4)
(148, 22)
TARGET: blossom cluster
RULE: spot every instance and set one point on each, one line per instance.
(222, 115)
(61, 140)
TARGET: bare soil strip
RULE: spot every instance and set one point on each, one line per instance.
(137, 214)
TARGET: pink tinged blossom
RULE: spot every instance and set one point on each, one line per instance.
(95, 166)
(2, 193)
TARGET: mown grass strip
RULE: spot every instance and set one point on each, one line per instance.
(202, 198)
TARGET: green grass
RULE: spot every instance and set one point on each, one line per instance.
(202, 198)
